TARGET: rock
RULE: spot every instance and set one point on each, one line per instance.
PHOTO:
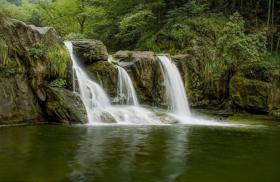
(27, 69)
(90, 51)
(251, 95)
(17, 102)
(145, 73)
(274, 99)
(64, 106)
(106, 74)
(107, 118)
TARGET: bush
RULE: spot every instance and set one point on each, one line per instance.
(37, 51)
(236, 47)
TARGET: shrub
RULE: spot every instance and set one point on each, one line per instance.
(37, 51)
(236, 47)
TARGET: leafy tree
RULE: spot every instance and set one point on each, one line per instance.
(237, 47)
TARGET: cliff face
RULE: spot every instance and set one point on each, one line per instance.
(30, 59)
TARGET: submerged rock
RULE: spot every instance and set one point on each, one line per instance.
(90, 50)
(107, 118)
(65, 106)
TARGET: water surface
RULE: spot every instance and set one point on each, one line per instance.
(139, 153)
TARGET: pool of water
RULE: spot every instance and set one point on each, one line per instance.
(140, 153)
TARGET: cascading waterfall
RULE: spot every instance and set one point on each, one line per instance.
(126, 91)
(97, 103)
(174, 87)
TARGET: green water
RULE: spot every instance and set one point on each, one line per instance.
(141, 154)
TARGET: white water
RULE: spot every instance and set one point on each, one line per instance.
(97, 103)
(126, 91)
(174, 87)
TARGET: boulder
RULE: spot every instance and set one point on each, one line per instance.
(64, 106)
(31, 57)
(106, 74)
(145, 73)
(90, 50)
(18, 104)
(251, 95)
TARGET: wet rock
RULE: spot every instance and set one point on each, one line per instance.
(145, 73)
(107, 118)
(64, 106)
(106, 74)
(90, 50)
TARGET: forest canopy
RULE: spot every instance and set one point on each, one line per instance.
(215, 29)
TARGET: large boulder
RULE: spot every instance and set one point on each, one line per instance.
(17, 102)
(106, 74)
(90, 50)
(145, 73)
(64, 106)
(30, 58)
(251, 95)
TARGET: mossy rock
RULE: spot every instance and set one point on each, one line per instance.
(90, 50)
(106, 74)
(251, 95)
(64, 106)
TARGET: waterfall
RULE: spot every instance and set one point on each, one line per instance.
(91, 93)
(126, 91)
(97, 103)
(174, 87)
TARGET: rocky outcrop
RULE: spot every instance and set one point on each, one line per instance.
(251, 95)
(106, 74)
(90, 51)
(274, 99)
(202, 90)
(145, 73)
(30, 59)
(64, 106)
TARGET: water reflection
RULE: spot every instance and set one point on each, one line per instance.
(139, 154)
(127, 153)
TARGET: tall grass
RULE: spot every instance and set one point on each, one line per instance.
(213, 69)
(4, 51)
(58, 57)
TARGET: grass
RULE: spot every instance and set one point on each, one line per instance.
(4, 51)
(58, 56)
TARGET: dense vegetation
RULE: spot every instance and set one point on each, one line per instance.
(219, 31)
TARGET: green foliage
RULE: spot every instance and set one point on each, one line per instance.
(37, 52)
(60, 83)
(73, 36)
(4, 51)
(58, 57)
(55, 55)
(133, 26)
(237, 47)
(213, 69)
